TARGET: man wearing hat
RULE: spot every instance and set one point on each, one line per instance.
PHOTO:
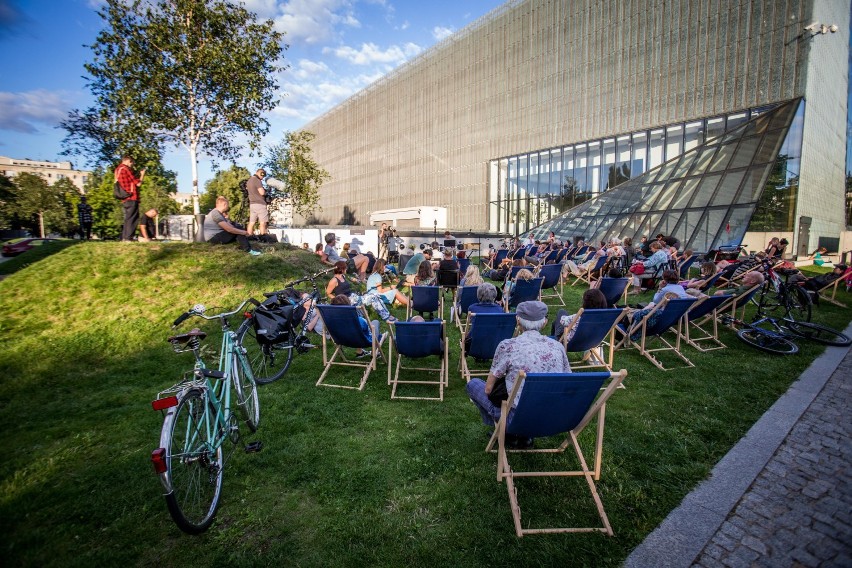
(531, 352)
(817, 283)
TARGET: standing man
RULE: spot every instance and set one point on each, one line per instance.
(257, 202)
(126, 178)
(148, 226)
(219, 230)
(384, 234)
(84, 216)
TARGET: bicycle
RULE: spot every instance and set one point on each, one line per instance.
(269, 361)
(199, 420)
(792, 300)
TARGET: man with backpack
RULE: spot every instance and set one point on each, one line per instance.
(127, 180)
(258, 211)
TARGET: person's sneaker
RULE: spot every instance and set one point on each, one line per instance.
(255, 252)
(363, 354)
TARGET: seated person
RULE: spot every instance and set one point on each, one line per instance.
(531, 352)
(523, 274)
(448, 262)
(148, 226)
(695, 286)
(413, 265)
(611, 273)
(368, 328)
(593, 299)
(486, 300)
(425, 275)
(750, 280)
(471, 277)
(658, 258)
(499, 274)
(819, 282)
(375, 285)
(219, 230)
(361, 261)
(671, 285)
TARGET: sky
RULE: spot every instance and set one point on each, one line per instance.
(337, 47)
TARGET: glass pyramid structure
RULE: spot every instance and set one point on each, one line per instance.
(705, 197)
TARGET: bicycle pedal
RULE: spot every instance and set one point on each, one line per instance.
(253, 447)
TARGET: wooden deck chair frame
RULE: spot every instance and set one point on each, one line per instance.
(558, 288)
(443, 371)
(642, 346)
(586, 276)
(739, 303)
(510, 300)
(466, 370)
(338, 357)
(624, 282)
(823, 292)
(505, 472)
(594, 357)
(410, 308)
(696, 333)
(459, 318)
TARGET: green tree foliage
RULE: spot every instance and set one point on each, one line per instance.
(43, 206)
(291, 162)
(8, 216)
(227, 184)
(193, 73)
(107, 216)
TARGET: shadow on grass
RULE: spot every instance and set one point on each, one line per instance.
(34, 255)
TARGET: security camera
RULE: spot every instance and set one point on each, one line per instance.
(812, 27)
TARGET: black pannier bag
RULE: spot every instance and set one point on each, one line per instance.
(272, 320)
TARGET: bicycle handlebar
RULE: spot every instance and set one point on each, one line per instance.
(307, 278)
(198, 310)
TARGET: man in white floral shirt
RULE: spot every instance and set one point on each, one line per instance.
(531, 352)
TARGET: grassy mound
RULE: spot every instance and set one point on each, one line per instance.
(346, 478)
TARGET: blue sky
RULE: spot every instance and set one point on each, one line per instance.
(337, 47)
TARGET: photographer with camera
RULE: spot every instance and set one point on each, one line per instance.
(384, 235)
(257, 203)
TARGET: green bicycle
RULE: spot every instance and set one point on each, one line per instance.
(199, 420)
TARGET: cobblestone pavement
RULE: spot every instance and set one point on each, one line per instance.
(797, 511)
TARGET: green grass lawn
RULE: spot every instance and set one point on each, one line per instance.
(346, 478)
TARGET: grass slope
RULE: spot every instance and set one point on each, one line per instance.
(346, 478)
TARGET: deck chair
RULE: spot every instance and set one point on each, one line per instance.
(590, 337)
(710, 282)
(586, 275)
(552, 404)
(552, 275)
(523, 291)
(702, 325)
(486, 331)
(465, 296)
(344, 330)
(499, 257)
(550, 257)
(425, 300)
(463, 264)
(832, 286)
(614, 290)
(683, 267)
(417, 341)
(560, 256)
(663, 317)
(739, 303)
(448, 280)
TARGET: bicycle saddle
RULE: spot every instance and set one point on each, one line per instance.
(186, 337)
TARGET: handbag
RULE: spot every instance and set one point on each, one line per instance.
(637, 269)
(119, 193)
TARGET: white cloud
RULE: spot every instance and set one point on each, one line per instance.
(305, 69)
(306, 100)
(370, 53)
(23, 112)
(314, 21)
(440, 32)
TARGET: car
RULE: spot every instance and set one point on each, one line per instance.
(17, 246)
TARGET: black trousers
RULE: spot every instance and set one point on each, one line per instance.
(131, 219)
(224, 237)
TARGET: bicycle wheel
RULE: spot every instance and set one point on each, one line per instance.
(268, 362)
(766, 341)
(818, 332)
(798, 305)
(194, 463)
(246, 392)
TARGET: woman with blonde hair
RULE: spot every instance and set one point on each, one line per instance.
(471, 277)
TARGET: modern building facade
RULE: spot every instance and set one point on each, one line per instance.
(50, 171)
(542, 105)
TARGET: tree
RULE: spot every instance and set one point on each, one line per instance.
(227, 184)
(192, 73)
(292, 163)
(42, 204)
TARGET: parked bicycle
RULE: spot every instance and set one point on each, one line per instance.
(783, 297)
(275, 329)
(199, 420)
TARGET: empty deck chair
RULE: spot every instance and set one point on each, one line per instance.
(464, 298)
(614, 290)
(552, 404)
(414, 342)
(702, 327)
(665, 316)
(523, 291)
(463, 264)
(683, 266)
(342, 325)
(425, 300)
(486, 331)
(552, 275)
(591, 330)
(448, 280)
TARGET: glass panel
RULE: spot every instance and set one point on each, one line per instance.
(532, 178)
(745, 152)
(639, 159)
(580, 168)
(726, 193)
(715, 127)
(723, 157)
(705, 190)
(593, 172)
(667, 194)
(657, 154)
(704, 157)
(674, 141)
(694, 135)
(736, 119)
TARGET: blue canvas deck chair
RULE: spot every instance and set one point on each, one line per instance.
(614, 290)
(553, 404)
(586, 275)
(684, 265)
(738, 303)
(665, 316)
(342, 325)
(415, 343)
(702, 328)
(498, 258)
(425, 300)
(595, 331)
(465, 297)
(552, 280)
(486, 331)
(463, 264)
(523, 291)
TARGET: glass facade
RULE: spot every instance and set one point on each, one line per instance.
(533, 188)
(705, 195)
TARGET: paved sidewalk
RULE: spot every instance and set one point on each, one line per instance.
(783, 495)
